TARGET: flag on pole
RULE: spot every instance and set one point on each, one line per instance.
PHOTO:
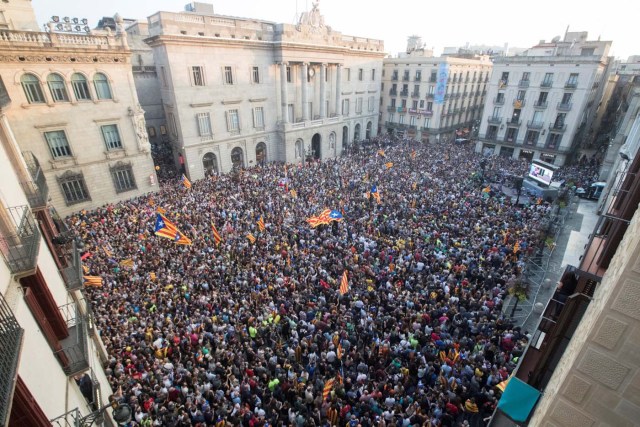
(95, 281)
(85, 269)
(186, 182)
(161, 211)
(168, 230)
(323, 218)
(375, 193)
(328, 385)
(216, 235)
(344, 284)
(251, 238)
(335, 215)
(261, 224)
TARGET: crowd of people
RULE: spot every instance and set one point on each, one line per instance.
(258, 333)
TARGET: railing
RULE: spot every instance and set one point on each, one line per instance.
(490, 137)
(417, 78)
(404, 93)
(494, 120)
(393, 92)
(20, 247)
(546, 83)
(415, 94)
(394, 77)
(513, 122)
(518, 103)
(143, 68)
(534, 125)
(46, 39)
(571, 85)
(523, 83)
(557, 127)
(564, 106)
(36, 190)
(540, 104)
(498, 101)
(10, 342)
(73, 273)
(433, 79)
(74, 355)
(430, 96)
(405, 78)
(391, 109)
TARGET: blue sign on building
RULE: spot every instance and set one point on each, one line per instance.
(441, 83)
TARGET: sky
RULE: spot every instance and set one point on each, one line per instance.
(439, 23)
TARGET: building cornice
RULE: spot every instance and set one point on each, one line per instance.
(48, 57)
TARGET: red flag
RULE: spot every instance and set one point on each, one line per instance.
(324, 284)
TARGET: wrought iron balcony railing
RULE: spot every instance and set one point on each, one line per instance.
(564, 106)
(10, 342)
(523, 83)
(534, 125)
(20, 246)
(571, 85)
(540, 105)
(72, 274)
(557, 127)
(498, 101)
(415, 94)
(36, 190)
(546, 83)
(494, 120)
(74, 354)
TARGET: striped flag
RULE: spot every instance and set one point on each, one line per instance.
(327, 388)
(93, 281)
(108, 250)
(344, 283)
(413, 154)
(381, 153)
(375, 193)
(167, 229)
(161, 210)
(186, 182)
(414, 185)
(128, 263)
(251, 238)
(516, 247)
(323, 218)
(151, 202)
(261, 224)
(152, 276)
(501, 386)
(339, 351)
(389, 165)
(216, 235)
(85, 269)
(293, 193)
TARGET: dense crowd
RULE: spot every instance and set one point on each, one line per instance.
(258, 334)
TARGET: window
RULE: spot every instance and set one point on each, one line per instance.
(360, 74)
(173, 127)
(434, 77)
(255, 75)
(542, 98)
(163, 76)
(228, 75)
(290, 111)
(573, 79)
(288, 74)
(111, 137)
(414, 105)
(554, 140)
(204, 124)
(359, 105)
(413, 120)
(521, 94)
(233, 121)
(345, 107)
(496, 111)
(151, 131)
(80, 87)
(123, 179)
(548, 79)
(560, 119)
(198, 75)
(58, 144)
(258, 117)
(431, 89)
(163, 130)
(372, 102)
(427, 122)
(394, 75)
(525, 76)
(373, 74)
(537, 117)
(73, 188)
(392, 117)
(401, 119)
(32, 89)
(566, 98)
(348, 74)
(103, 90)
(532, 137)
(393, 102)
(418, 75)
(504, 80)
(429, 106)
(404, 103)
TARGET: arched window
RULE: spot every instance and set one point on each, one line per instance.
(32, 89)
(209, 164)
(299, 149)
(57, 88)
(80, 87)
(237, 157)
(261, 153)
(101, 83)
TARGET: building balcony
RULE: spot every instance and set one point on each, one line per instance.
(415, 94)
(557, 127)
(394, 77)
(404, 93)
(546, 83)
(541, 105)
(10, 342)
(464, 94)
(72, 274)
(417, 78)
(518, 103)
(393, 92)
(513, 123)
(432, 79)
(494, 120)
(571, 85)
(20, 245)
(74, 354)
(36, 190)
(405, 78)
(498, 101)
(391, 109)
(523, 83)
(430, 96)
(565, 107)
(534, 125)
(490, 137)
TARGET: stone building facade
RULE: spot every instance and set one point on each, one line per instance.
(74, 108)
(238, 92)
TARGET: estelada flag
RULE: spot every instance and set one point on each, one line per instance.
(152, 276)
(161, 210)
(216, 235)
(327, 388)
(168, 230)
(260, 224)
(95, 281)
(323, 218)
(293, 193)
(251, 238)
(186, 182)
(389, 165)
(128, 263)
(344, 283)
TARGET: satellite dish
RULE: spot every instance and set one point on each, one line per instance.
(556, 39)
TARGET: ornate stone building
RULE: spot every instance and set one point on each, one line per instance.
(239, 91)
(74, 109)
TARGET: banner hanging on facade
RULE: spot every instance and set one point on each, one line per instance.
(441, 83)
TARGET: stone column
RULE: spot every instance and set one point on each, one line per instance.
(338, 89)
(283, 92)
(304, 88)
(323, 91)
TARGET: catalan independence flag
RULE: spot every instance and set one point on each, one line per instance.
(389, 165)
(251, 238)
(381, 153)
(261, 224)
(323, 218)
(216, 235)
(328, 386)
(516, 247)
(127, 263)
(344, 283)
(95, 281)
(293, 193)
(186, 182)
(168, 230)
(375, 193)
(413, 154)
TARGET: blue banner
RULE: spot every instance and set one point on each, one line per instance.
(441, 83)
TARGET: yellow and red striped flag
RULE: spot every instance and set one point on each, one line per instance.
(389, 165)
(251, 238)
(516, 247)
(293, 193)
(327, 388)
(93, 281)
(161, 210)
(216, 235)
(128, 263)
(186, 182)
(339, 351)
(108, 250)
(152, 276)
(414, 185)
(85, 269)
(168, 230)
(323, 218)
(413, 154)
(260, 224)
(381, 153)
(344, 283)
